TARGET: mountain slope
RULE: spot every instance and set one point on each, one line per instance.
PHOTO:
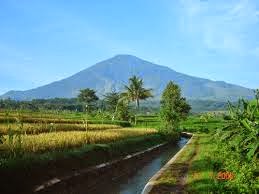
(114, 72)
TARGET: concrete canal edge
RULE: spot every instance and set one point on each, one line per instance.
(151, 183)
(57, 180)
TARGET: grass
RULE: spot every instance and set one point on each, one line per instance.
(211, 165)
(196, 124)
(172, 175)
(148, 121)
(191, 124)
(201, 176)
(192, 171)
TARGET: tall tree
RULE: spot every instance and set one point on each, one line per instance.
(111, 100)
(88, 96)
(174, 108)
(135, 91)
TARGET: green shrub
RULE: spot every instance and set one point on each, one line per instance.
(237, 149)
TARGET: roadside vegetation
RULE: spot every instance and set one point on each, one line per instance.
(223, 154)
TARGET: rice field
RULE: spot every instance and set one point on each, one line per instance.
(35, 133)
(56, 141)
(37, 128)
(42, 114)
(57, 118)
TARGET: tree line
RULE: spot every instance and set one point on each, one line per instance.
(121, 105)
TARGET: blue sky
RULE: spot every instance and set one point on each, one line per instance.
(43, 41)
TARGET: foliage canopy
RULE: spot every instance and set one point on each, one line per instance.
(174, 107)
(88, 96)
(135, 91)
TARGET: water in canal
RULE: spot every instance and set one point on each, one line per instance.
(134, 183)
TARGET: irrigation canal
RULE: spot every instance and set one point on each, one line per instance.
(127, 178)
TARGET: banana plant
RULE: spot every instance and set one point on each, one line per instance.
(242, 134)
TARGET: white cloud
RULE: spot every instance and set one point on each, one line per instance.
(221, 26)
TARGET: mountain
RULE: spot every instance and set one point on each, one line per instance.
(114, 72)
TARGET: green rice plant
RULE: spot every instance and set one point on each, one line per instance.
(197, 123)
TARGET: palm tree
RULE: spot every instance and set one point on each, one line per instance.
(135, 91)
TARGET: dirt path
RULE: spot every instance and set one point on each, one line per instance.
(177, 171)
(181, 183)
